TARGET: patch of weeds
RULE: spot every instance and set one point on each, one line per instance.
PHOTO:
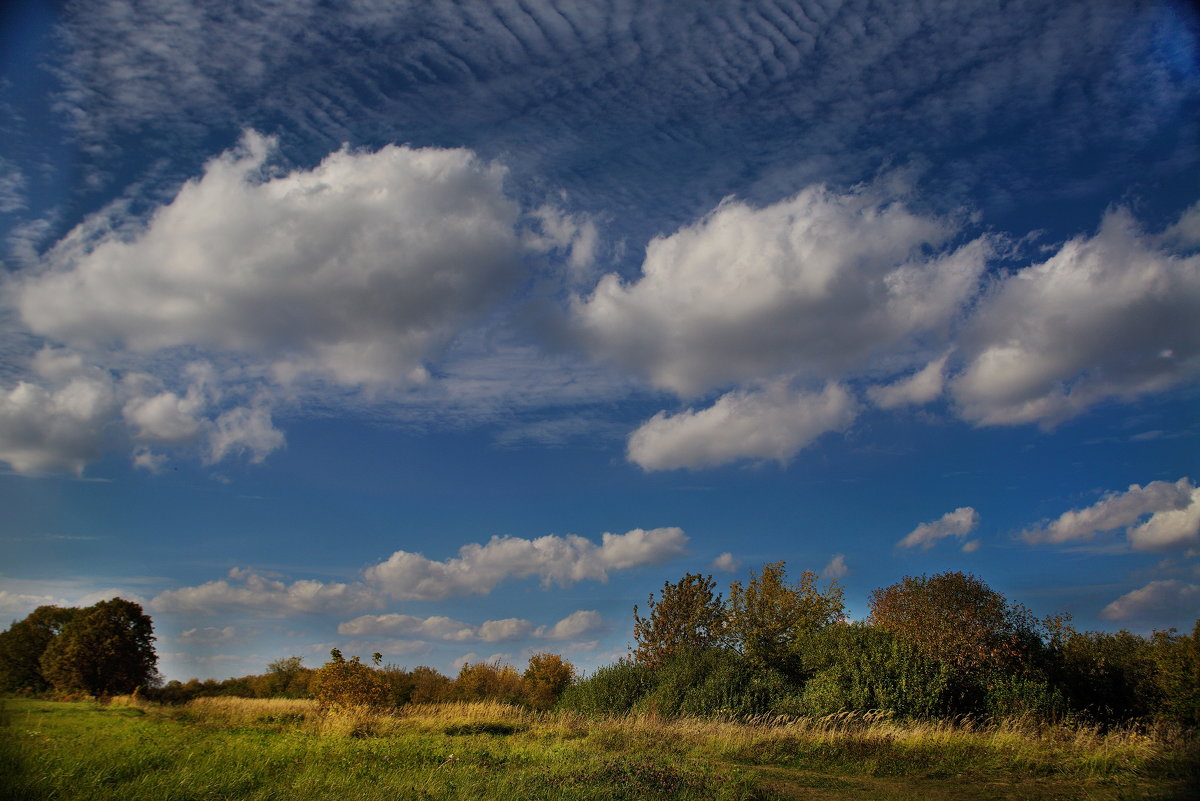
(638, 779)
(282, 719)
(502, 729)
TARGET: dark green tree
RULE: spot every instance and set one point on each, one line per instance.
(686, 617)
(285, 678)
(107, 649)
(22, 646)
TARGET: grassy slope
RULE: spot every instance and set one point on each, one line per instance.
(232, 749)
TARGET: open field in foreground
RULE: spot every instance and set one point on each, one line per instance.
(278, 749)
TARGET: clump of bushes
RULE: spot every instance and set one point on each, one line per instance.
(945, 646)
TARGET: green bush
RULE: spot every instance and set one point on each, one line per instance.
(861, 668)
(613, 688)
(1008, 696)
(719, 681)
(349, 683)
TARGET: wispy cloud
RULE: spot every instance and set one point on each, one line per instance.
(249, 593)
(447, 629)
(478, 569)
(959, 523)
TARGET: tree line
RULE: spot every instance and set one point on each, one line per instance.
(932, 646)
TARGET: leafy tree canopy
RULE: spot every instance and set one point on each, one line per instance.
(958, 619)
(768, 618)
(106, 649)
(22, 646)
(686, 617)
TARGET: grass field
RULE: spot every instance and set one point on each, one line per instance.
(277, 749)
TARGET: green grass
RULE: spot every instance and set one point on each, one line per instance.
(234, 749)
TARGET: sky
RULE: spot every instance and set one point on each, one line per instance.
(452, 330)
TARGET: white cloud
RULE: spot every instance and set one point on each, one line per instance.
(473, 658)
(148, 460)
(247, 592)
(1158, 599)
(207, 635)
(245, 430)
(49, 430)
(357, 270)
(17, 606)
(478, 569)
(12, 187)
(770, 423)
(815, 284)
(971, 546)
(836, 568)
(959, 523)
(573, 625)
(921, 387)
(1108, 316)
(436, 627)
(1173, 509)
(727, 563)
(576, 235)
(165, 417)
(1184, 233)
(1169, 528)
(448, 629)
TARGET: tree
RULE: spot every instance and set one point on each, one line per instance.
(1177, 662)
(687, 616)
(342, 683)
(768, 618)
(546, 678)
(958, 619)
(107, 649)
(428, 685)
(22, 646)
(482, 681)
(285, 678)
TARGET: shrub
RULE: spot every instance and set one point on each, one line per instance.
(546, 678)
(719, 681)
(1011, 696)
(488, 681)
(429, 686)
(613, 688)
(861, 668)
(341, 684)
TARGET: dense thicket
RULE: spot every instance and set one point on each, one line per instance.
(933, 646)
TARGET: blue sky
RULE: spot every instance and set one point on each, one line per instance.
(452, 330)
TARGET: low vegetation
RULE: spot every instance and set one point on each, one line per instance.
(218, 748)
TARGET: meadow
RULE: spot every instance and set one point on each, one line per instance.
(236, 748)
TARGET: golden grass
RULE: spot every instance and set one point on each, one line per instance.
(846, 738)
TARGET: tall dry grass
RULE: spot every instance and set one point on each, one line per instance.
(871, 742)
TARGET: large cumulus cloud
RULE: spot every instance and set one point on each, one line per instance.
(1107, 316)
(816, 284)
(478, 569)
(771, 423)
(356, 270)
